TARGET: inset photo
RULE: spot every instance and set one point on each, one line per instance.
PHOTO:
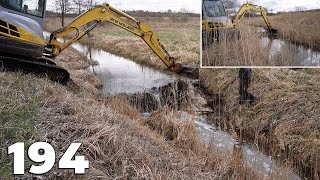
(260, 33)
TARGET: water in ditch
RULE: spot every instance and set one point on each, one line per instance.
(122, 76)
(281, 50)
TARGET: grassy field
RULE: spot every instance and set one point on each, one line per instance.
(284, 121)
(179, 35)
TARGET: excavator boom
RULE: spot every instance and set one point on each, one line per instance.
(86, 22)
(23, 48)
(251, 7)
(214, 20)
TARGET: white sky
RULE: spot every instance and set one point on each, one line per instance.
(195, 5)
(285, 5)
(151, 5)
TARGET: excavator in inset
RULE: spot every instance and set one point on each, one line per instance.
(22, 45)
(215, 20)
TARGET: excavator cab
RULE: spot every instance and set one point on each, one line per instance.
(21, 27)
(33, 9)
(215, 11)
(216, 25)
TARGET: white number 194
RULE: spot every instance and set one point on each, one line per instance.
(44, 154)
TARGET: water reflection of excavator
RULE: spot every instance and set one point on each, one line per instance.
(215, 20)
(22, 45)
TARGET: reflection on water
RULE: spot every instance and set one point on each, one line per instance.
(297, 55)
(120, 75)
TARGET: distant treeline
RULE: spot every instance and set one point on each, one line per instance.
(139, 13)
(253, 14)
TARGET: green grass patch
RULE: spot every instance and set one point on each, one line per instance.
(20, 102)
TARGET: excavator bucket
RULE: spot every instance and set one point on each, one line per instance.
(189, 72)
(272, 31)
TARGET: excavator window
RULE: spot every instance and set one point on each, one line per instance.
(214, 8)
(31, 7)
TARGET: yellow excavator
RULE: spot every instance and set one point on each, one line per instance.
(215, 20)
(22, 45)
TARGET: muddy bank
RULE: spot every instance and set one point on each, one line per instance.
(174, 96)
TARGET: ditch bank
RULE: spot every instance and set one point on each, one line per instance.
(152, 91)
(149, 90)
(283, 122)
(189, 101)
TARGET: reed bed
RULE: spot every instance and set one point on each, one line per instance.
(284, 121)
(297, 27)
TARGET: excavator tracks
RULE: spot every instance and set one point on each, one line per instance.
(43, 67)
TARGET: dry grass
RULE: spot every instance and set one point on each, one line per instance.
(297, 28)
(122, 147)
(179, 35)
(119, 146)
(76, 63)
(247, 51)
(285, 119)
(301, 28)
(116, 138)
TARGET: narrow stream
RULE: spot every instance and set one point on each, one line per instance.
(120, 75)
(281, 50)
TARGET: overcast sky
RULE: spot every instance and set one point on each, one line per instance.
(151, 5)
(285, 5)
(195, 5)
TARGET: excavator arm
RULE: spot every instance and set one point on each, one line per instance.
(86, 22)
(251, 7)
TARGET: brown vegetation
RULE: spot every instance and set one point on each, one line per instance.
(249, 50)
(299, 27)
(122, 147)
(285, 119)
(246, 51)
(120, 143)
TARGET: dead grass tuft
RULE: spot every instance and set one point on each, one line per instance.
(179, 132)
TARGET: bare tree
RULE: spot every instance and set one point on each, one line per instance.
(79, 5)
(63, 7)
(89, 4)
(299, 8)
